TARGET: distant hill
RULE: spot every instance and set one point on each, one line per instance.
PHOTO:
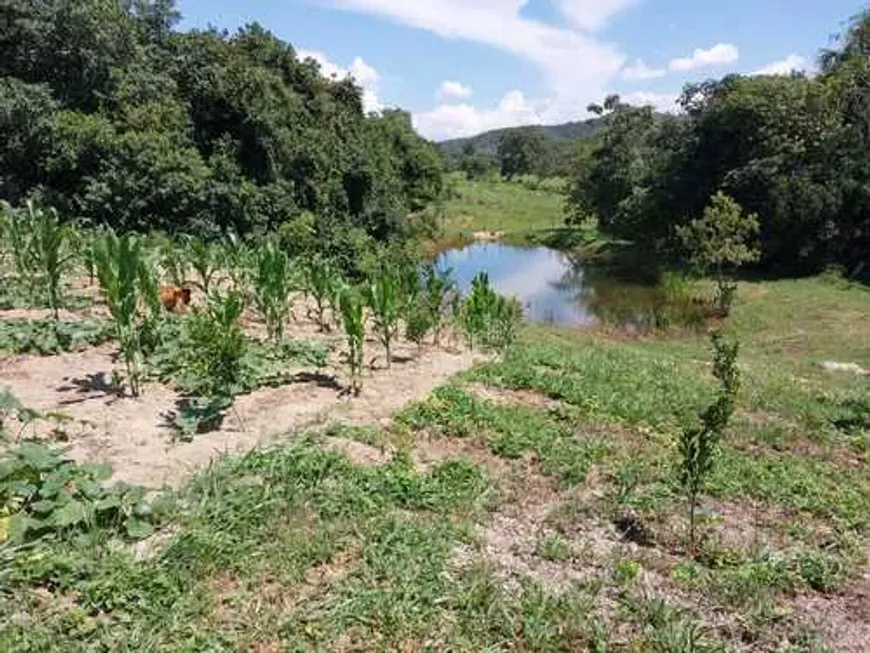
(487, 142)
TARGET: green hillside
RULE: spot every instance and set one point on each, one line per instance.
(487, 142)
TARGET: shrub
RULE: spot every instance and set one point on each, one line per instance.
(699, 444)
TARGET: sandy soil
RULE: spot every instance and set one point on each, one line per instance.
(134, 436)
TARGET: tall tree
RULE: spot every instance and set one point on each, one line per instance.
(521, 152)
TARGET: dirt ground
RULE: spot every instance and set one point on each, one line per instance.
(134, 434)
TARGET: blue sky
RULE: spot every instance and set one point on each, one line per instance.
(464, 66)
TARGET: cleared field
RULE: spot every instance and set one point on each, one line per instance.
(528, 503)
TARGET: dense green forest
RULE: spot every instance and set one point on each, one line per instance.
(794, 150)
(117, 119)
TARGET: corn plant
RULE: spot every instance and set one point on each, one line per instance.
(320, 283)
(272, 289)
(173, 260)
(50, 251)
(698, 445)
(418, 323)
(238, 259)
(384, 298)
(438, 288)
(353, 319)
(477, 308)
(19, 238)
(213, 365)
(126, 282)
(504, 322)
(5, 226)
(205, 259)
(83, 243)
(219, 346)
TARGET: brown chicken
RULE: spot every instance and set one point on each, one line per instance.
(174, 298)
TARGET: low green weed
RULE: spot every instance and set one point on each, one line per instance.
(509, 431)
(46, 337)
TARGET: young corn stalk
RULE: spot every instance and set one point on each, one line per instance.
(418, 323)
(438, 287)
(504, 322)
(20, 244)
(205, 259)
(476, 310)
(384, 298)
(320, 282)
(272, 289)
(127, 283)
(238, 259)
(353, 319)
(173, 262)
(699, 445)
(50, 250)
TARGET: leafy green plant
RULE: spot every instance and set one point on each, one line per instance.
(213, 365)
(353, 319)
(698, 445)
(218, 345)
(47, 337)
(126, 281)
(320, 281)
(205, 259)
(12, 408)
(272, 288)
(42, 493)
(720, 242)
(384, 298)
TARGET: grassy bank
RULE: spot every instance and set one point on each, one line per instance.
(509, 208)
(529, 504)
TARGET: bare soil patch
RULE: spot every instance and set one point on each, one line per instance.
(135, 437)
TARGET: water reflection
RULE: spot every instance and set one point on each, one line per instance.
(555, 289)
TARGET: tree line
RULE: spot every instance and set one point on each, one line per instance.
(115, 117)
(792, 151)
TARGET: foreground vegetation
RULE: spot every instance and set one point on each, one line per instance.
(531, 503)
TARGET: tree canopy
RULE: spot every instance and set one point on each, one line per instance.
(793, 150)
(116, 118)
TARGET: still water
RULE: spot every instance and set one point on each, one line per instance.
(553, 288)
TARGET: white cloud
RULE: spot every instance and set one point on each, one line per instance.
(364, 75)
(639, 71)
(576, 66)
(592, 14)
(720, 54)
(785, 67)
(458, 120)
(455, 90)
(661, 102)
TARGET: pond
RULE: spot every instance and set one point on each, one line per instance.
(555, 289)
